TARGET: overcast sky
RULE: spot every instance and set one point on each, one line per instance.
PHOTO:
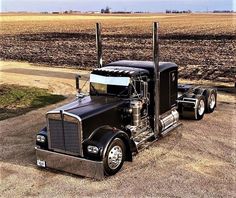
(116, 5)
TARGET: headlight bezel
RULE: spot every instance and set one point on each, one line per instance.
(41, 138)
(92, 149)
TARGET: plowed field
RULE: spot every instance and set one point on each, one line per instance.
(203, 45)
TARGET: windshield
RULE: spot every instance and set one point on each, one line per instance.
(107, 85)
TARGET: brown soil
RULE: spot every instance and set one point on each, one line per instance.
(203, 45)
(196, 160)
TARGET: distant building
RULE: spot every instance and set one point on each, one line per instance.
(72, 12)
(178, 11)
(141, 12)
(222, 11)
(122, 12)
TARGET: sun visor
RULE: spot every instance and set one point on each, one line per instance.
(109, 80)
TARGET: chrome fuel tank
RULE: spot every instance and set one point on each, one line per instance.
(169, 119)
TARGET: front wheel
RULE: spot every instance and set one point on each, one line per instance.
(114, 157)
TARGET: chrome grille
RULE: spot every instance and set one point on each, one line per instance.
(71, 137)
(65, 134)
(56, 134)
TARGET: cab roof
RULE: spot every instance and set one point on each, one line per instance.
(147, 65)
(120, 71)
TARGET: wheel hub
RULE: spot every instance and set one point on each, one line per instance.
(115, 157)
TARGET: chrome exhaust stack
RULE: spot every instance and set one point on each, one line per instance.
(99, 44)
(156, 50)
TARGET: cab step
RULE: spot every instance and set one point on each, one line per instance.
(145, 145)
(143, 138)
(168, 130)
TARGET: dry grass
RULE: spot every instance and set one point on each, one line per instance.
(13, 18)
(16, 100)
(125, 24)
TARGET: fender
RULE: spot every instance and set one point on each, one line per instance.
(102, 138)
(200, 91)
(205, 92)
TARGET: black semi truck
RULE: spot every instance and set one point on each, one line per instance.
(131, 104)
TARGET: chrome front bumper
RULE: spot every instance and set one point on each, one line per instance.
(71, 164)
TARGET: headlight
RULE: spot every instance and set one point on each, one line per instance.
(92, 149)
(41, 138)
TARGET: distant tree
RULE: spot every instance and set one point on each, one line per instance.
(106, 10)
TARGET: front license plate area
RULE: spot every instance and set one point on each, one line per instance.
(41, 163)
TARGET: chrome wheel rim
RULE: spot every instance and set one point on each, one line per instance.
(212, 101)
(115, 157)
(201, 107)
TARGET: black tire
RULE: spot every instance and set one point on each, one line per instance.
(117, 145)
(200, 111)
(211, 98)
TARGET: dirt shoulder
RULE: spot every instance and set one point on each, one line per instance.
(56, 80)
(195, 160)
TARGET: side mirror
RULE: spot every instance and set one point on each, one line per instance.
(77, 77)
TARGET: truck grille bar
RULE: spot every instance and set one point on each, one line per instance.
(65, 133)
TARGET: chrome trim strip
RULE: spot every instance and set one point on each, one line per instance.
(72, 115)
(190, 99)
(48, 129)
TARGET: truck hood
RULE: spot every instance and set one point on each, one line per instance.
(90, 106)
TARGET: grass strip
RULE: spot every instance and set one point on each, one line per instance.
(16, 100)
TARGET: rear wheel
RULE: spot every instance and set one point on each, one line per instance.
(114, 157)
(200, 107)
(210, 100)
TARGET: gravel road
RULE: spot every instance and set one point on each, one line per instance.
(196, 160)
